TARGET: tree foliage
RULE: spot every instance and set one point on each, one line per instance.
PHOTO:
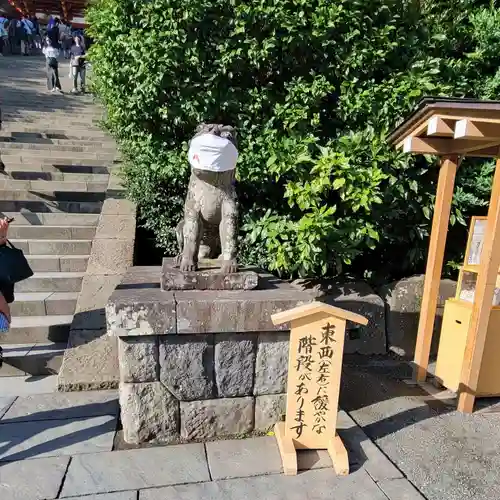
(313, 87)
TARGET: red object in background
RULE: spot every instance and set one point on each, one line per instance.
(64, 9)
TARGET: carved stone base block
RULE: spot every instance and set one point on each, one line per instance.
(199, 364)
(208, 277)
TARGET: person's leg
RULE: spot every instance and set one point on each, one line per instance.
(49, 78)
(75, 78)
(1, 45)
(57, 83)
(83, 72)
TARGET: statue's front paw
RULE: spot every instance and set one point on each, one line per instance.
(229, 266)
(177, 260)
(188, 265)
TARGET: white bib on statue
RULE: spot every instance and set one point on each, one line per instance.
(214, 153)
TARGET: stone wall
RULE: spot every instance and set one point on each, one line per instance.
(199, 364)
(199, 387)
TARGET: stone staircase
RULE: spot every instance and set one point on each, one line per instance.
(57, 168)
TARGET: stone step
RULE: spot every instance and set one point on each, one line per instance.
(32, 359)
(29, 116)
(50, 185)
(54, 196)
(44, 304)
(37, 167)
(52, 156)
(37, 122)
(88, 207)
(33, 141)
(55, 263)
(51, 219)
(24, 232)
(38, 175)
(53, 247)
(36, 329)
(40, 148)
(53, 164)
(56, 116)
(50, 104)
(23, 132)
(52, 282)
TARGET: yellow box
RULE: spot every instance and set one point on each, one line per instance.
(456, 319)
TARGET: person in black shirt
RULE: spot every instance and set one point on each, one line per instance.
(78, 65)
(53, 34)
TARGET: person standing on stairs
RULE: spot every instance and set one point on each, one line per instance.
(51, 54)
(53, 33)
(6, 289)
(26, 30)
(4, 35)
(77, 64)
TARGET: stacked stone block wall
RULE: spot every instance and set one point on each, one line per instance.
(199, 387)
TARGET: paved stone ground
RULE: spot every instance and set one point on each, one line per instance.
(447, 455)
(64, 445)
(60, 445)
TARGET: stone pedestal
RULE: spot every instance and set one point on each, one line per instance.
(208, 277)
(199, 364)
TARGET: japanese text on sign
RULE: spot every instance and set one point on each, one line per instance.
(313, 366)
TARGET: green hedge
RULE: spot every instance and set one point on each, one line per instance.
(313, 87)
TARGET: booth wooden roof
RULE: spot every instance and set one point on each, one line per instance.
(443, 126)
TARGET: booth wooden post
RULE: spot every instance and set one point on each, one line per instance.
(434, 267)
(314, 368)
(486, 282)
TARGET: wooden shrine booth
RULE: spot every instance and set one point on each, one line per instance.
(470, 337)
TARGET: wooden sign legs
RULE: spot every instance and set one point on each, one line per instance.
(336, 450)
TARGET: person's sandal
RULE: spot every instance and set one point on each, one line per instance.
(1, 357)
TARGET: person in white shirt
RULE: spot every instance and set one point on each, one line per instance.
(51, 54)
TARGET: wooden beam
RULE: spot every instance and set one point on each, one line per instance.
(426, 146)
(467, 146)
(483, 297)
(440, 127)
(434, 267)
(477, 130)
(490, 152)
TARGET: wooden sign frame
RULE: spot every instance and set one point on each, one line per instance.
(314, 368)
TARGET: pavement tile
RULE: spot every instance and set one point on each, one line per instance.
(135, 469)
(5, 403)
(363, 452)
(62, 405)
(399, 489)
(310, 485)
(56, 437)
(13, 355)
(32, 479)
(23, 386)
(243, 457)
(313, 459)
(121, 495)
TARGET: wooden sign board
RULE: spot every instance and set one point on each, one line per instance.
(476, 238)
(314, 368)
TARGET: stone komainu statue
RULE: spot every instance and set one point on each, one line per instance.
(210, 220)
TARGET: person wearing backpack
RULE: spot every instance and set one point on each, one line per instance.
(51, 54)
(77, 63)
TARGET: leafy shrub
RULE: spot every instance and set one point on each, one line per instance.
(313, 87)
